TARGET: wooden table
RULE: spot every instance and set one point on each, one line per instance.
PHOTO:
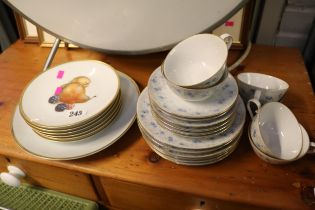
(128, 175)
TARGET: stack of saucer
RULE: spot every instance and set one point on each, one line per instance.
(191, 132)
(74, 101)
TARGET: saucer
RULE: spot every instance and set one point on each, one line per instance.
(194, 133)
(39, 146)
(224, 97)
(185, 154)
(83, 88)
(152, 127)
(193, 123)
(178, 158)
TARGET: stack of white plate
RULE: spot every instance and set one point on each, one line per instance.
(191, 132)
(71, 103)
(74, 102)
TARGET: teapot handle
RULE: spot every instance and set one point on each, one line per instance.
(228, 39)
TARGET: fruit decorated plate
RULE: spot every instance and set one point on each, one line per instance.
(39, 146)
(69, 94)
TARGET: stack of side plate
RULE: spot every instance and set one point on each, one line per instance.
(193, 119)
(37, 145)
(191, 132)
(72, 101)
(186, 150)
(83, 130)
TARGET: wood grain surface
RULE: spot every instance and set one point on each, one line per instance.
(241, 178)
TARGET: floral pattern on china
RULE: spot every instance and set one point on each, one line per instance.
(149, 123)
(223, 98)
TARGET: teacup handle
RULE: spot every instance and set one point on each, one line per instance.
(257, 94)
(255, 102)
(311, 149)
(228, 39)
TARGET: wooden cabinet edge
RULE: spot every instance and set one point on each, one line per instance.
(57, 179)
(125, 195)
(103, 200)
(3, 163)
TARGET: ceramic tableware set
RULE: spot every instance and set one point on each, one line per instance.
(77, 105)
(74, 105)
(190, 112)
(274, 133)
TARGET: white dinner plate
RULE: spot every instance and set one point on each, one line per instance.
(39, 146)
(124, 26)
(148, 122)
(89, 86)
(193, 162)
(179, 153)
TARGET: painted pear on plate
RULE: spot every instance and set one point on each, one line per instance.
(74, 91)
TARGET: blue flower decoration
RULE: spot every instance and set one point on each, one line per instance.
(196, 141)
(225, 86)
(153, 124)
(181, 110)
(170, 139)
(221, 101)
(254, 133)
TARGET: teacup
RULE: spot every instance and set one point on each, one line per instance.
(275, 131)
(264, 156)
(198, 61)
(264, 88)
(196, 94)
(306, 148)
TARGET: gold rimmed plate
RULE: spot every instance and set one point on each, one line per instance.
(191, 120)
(147, 121)
(81, 126)
(200, 155)
(94, 129)
(39, 146)
(69, 94)
(208, 122)
(191, 129)
(185, 151)
(221, 101)
(197, 135)
(193, 162)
